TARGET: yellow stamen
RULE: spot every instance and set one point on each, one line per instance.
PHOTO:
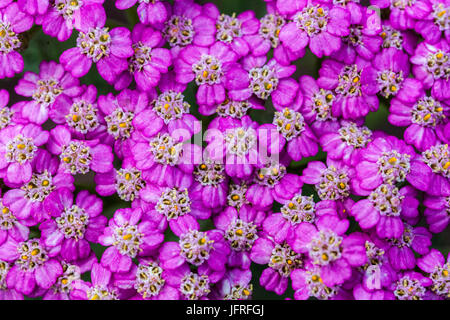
(235, 197)
(239, 232)
(392, 160)
(21, 146)
(290, 205)
(127, 237)
(34, 252)
(427, 116)
(205, 74)
(45, 183)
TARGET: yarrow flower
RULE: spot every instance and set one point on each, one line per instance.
(13, 22)
(109, 49)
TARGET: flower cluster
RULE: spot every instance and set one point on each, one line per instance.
(264, 164)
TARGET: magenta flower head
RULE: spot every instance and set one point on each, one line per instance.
(149, 12)
(127, 237)
(100, 288)
(316, 104)
(148, 62)
(208, 250)
(210, 184)
(34, 265)
(18, 147)
(209, 67)
(50, 87)
(64, 15)
(169, 111)
(177, 202)
(281, 225)
(281, 259)
(235, 144)
(64, 285)
(272, 183)
(241, 230)
(354, 87)
(422, 116)
(191, 285)
(126, 182)
(189, 23)
(363, 39)
(401, 252)
(268, 35)
(13, 21)
(347, 143)
(436, 24)
(79, 156)
(405, 40)
(432, 67)
(384, 208)
(75, 224)
(411, 285)
(332, 181)
(329, 249)
(81, 115)
(404, 14)
(294, 132)
(234, 30)
(27, 202)
(377, 274)
(308, 283)
(390, 70)
(119, 115)
(384, 160)
(148, 280)
(319, 26)
(431, 171)
(163, 156)
(438, 271)
(109, 49)
(270, 79)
